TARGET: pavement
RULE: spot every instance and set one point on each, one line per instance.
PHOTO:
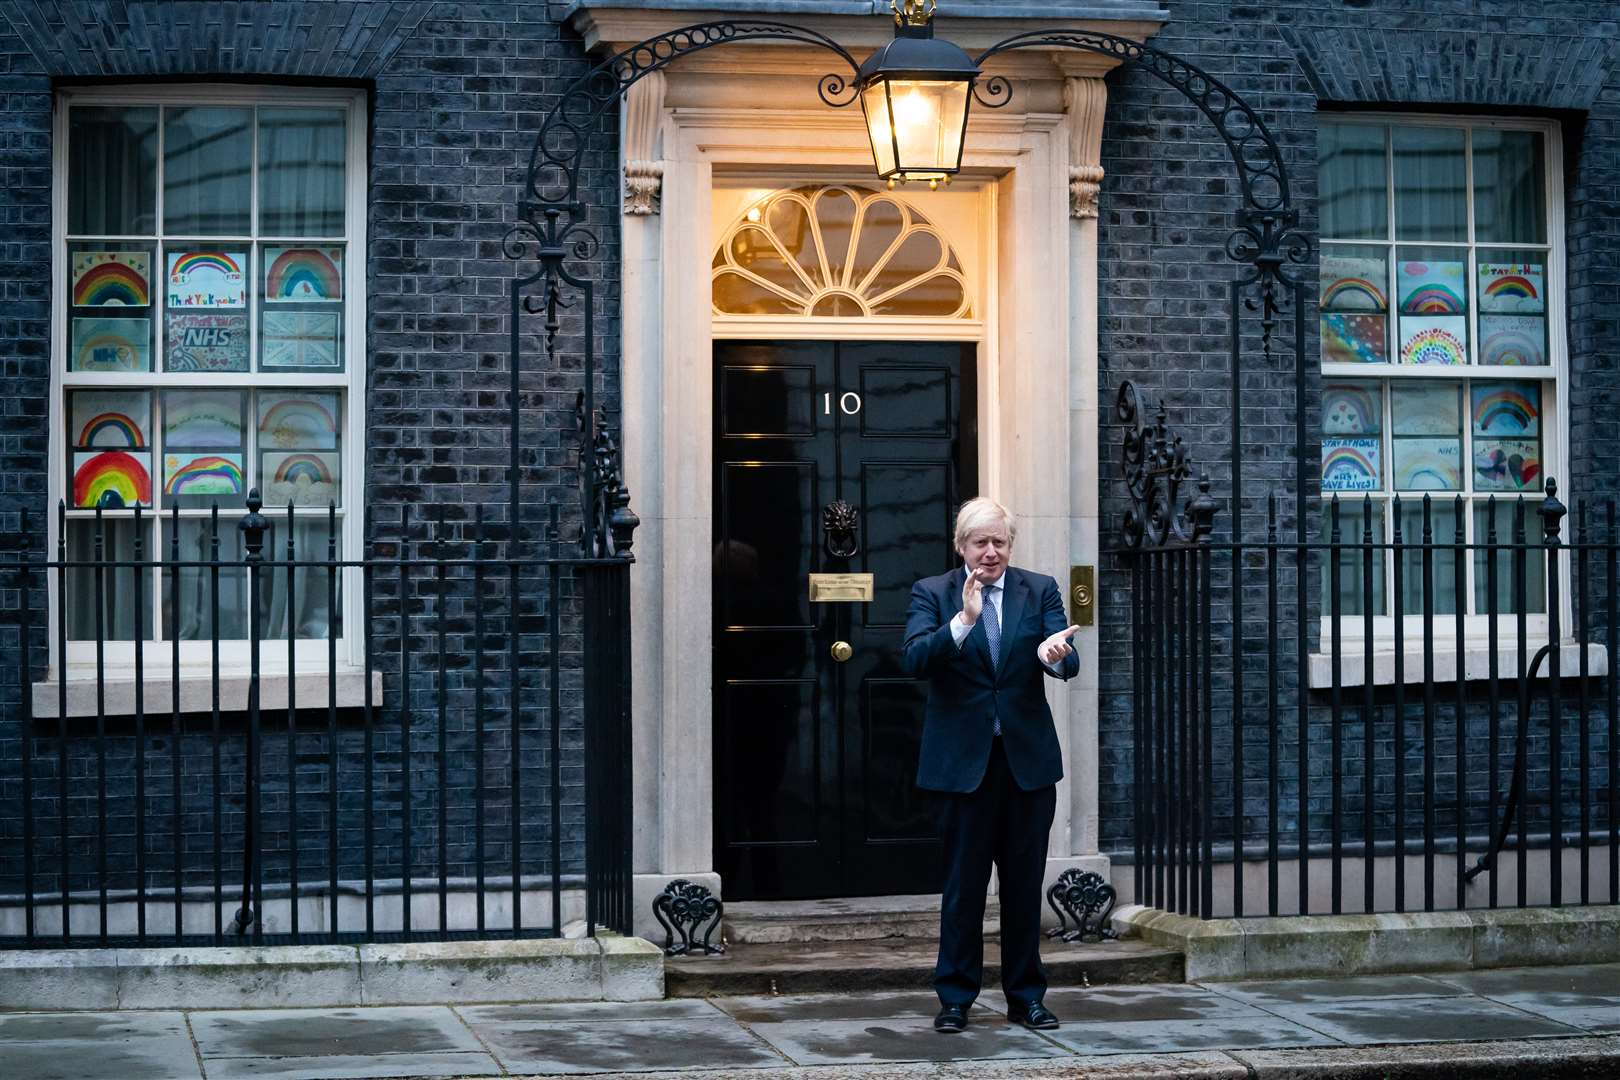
(1521, 1023)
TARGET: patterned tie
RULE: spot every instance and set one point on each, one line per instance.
(992, 634)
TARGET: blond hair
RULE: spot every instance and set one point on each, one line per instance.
(981, 512)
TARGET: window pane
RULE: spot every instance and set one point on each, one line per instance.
(1427, 435)
(1354, 304)
(1352, 446)
(1431, 184)
(112, 171)
(1507, 436)
(1353, 559)
(118, 591)
(299, 459)
(1445, 514)
(205, 319)
(111, 285)
(301, 309)
(1535, 562)
(1354, 182)
(207, 171)
(1510, 191)
(1512, 290)
(189, 595)
(204, 448)
(301, 177)
(1431, 289)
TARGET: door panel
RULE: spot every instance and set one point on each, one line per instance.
(816, 759)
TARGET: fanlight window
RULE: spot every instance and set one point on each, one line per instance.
(838, 252)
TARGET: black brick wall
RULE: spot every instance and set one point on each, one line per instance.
(1167, 208)
(456, 92)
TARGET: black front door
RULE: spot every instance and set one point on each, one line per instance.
(816, 756)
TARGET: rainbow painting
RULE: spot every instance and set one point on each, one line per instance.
(1507, 464)
(298, 421)
(111, 345)
(202, 419)
(112, 279)
(112, 479)
(1513, 340)
(1350, 464)
(202, 474)
(1350, 283)
(207, 279)
(1354, 339)
(1428, 464)
(1503, 409)
(1515, 288)
(1432, 288)
(1352, 408)
(294, 275)
(1435, 339)
(110, 419)
(300, 479)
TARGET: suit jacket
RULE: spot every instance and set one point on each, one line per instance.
(965, 693)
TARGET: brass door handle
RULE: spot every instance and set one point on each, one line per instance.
(841, 651)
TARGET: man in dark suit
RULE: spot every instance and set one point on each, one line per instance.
(984, 636)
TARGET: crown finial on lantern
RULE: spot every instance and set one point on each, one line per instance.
(913, 12)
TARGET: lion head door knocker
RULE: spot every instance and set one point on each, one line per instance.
(842, 528)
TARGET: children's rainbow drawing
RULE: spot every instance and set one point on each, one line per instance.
(1354, 339)
(1350, 464)
(298, 422)
(1432, 288)
(1353, 284)
(1513, 340)
(1503, 409)
(300, 479)
(1507, 464)
(111, 345)
(303, 275)
(202, 419)
(1512, 287)
(207, 279)
(110, 419)
(1434, 340)
(1428, 464)
(204, 474)
(111, 479)
(1351, 409)
(111, 279)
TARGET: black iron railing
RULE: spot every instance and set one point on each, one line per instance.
(1366, 721)
(451, 762)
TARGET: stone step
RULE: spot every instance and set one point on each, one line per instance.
(900, 964)
(864, 918)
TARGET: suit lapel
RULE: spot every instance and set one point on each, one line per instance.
(1013, 596)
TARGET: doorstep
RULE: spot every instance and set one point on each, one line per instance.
(861, 918)
(604, 968)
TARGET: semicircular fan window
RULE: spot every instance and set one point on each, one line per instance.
(838, 252)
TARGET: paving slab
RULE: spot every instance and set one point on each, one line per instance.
(1420, 1020)
(766, 1009)
(316, 1033)
(72, 1046)
(857, 1042)
(566, 1047)
(1271, 992)
(1585, 997)
(1208, 1066)
(387, 1067)
(580, 1012)
(1537, 1059)
(1177, 1036)
(1119, 1004)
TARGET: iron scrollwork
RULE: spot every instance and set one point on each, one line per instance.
(606, 499)
(842, 525)
(1085, 899)
(1155, 466)
(685, 908)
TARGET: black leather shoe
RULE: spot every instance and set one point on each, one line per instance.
(951, 1019)
(1034, 1015)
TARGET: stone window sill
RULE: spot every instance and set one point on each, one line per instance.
(197, 691)
(1476, 663)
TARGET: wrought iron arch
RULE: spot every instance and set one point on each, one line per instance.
(552, 226)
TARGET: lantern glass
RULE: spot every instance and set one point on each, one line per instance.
(917, 126)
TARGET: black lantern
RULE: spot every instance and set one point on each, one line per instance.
(915, 92)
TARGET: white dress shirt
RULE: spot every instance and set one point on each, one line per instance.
(992, 595)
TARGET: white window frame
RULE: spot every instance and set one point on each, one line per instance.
(118, 657)
(1554, 383)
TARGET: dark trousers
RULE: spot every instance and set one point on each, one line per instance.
(1004, 824)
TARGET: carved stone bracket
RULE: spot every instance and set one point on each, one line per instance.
(1085, 899)
(685, 908)
(1085, 101)
(643, 169)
